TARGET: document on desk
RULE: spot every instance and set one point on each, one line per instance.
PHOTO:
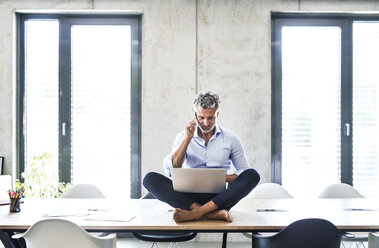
(66, 213)
(110, 216)
(4, 202)
(360, 209)
(271, 210)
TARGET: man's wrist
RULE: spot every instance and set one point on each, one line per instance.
(187, 139)
(230, 178)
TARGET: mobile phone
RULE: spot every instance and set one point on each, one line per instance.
(196, 121)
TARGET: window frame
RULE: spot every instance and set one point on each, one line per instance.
(345, 21)
(66, 21)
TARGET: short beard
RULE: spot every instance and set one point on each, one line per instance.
(206, 132)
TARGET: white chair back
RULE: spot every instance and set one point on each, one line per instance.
(343, 190)
(340, 190)
(270, 191)
(83, 191)
(373, 240)
(60, 233)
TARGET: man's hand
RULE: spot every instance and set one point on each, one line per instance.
(230, 178)
(178, 155)
(189, 129)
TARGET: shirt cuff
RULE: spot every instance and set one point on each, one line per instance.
(167, 165)
(238, 172)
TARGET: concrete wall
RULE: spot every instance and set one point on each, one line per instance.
(188, 46)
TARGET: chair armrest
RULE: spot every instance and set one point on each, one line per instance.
(247, 235)
(109, 236)
(348, 235)
(17, 236)
(355, 237)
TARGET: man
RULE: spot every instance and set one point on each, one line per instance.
(204, 144)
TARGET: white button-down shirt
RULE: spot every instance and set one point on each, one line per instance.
(224, 151)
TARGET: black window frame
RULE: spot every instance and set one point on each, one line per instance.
(345, 21)
(66, 20)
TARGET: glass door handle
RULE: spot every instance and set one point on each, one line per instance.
(347, 129)
(64, 128)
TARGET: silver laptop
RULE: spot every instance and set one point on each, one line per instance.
(192, 180)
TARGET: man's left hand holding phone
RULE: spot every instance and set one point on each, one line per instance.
(190, 128)
(178, 156)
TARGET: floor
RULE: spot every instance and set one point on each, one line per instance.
(130, 242)
(134, 243)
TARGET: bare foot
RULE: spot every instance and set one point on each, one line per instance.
(222, 214)
(181, 215)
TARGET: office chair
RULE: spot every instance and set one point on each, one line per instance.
(310, 233)
(60, 233)
(87, 191)
(340, 190)
(84, 191)
(343, 190)
(163, 236)
(373, 240)
(270, 191)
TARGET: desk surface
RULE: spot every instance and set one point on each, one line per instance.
(248, 215)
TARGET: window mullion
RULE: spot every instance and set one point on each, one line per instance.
(135, 168)
(276, 101)
(346, 103)
(65, 102)
(20, 156)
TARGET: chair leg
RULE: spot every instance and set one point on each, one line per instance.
(351, 243)
(224, 239)
(154, 244)
(173, 245)
(360, 244)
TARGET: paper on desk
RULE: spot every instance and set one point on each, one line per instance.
(271, 210)
(65, 213)
(4, 202)
(7, 202)
(110, 216)
(360, 209)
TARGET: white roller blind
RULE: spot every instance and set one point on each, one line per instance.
(310, 109)
(101, 107)
(365, 108)
(41, 91)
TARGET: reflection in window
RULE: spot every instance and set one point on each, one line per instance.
(365, 108)
(311, 154)
(101, 107)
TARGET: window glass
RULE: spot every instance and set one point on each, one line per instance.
(40, 103)
(76, 78)
(100, 107)
(311, 154)
(365, 108)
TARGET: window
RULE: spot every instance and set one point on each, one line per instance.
(324, 97)
(79, 98)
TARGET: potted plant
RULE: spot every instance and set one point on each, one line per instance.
(40, 181)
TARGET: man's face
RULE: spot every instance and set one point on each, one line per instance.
(206, 118)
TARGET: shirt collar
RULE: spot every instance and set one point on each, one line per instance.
(218, 130)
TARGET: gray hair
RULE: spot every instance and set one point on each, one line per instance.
(207, 100)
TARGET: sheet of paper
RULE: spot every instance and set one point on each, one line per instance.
(7, 202)
(271, 210)
(65, 213)
(110, 216)
(360, 209)
(4, 202)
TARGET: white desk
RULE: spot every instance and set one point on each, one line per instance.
(155, 215)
